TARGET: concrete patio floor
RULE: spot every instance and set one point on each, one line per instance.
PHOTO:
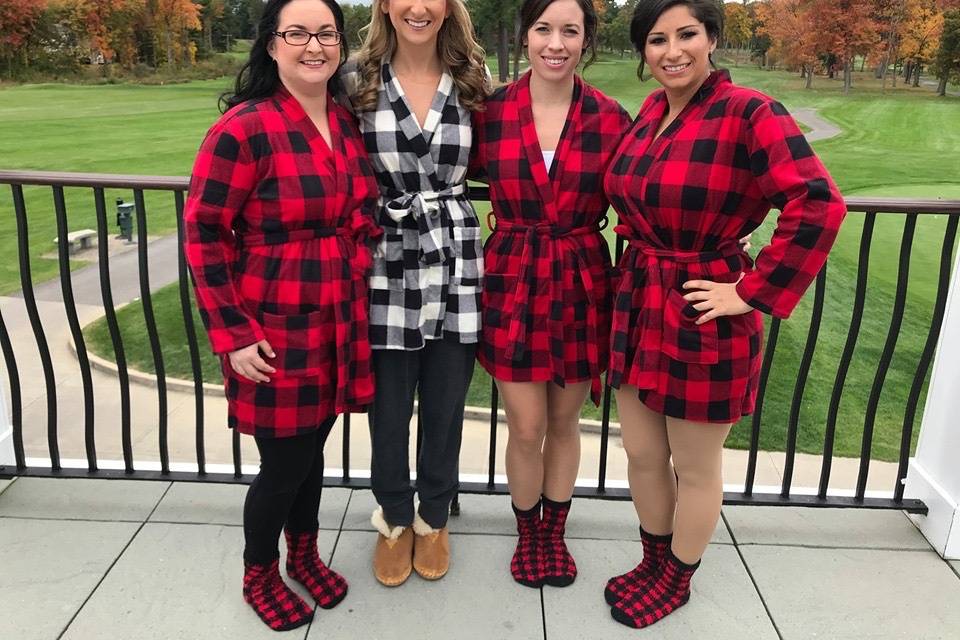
(113, 559)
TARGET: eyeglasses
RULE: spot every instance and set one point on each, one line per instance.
(299, 38)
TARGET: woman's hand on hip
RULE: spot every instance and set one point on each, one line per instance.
(248, 363)
(715, 298)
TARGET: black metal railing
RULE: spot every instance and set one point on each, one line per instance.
(869, 208)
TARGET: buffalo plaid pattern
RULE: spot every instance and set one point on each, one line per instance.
(276, 231)
(684, 199)
(273, 601)
(304, 565)
(546, 295)
(642, 607)
(428, 268)
(644, 574)
(558, 566)
(526, 565)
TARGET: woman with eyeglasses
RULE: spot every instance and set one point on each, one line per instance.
(413, 86)
(281, 204)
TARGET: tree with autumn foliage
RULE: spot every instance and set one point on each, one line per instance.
(848, 29)
(18, 20)
(921, 36)
(794, 30)
(737, 25)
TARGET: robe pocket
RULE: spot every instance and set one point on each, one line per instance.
(497, 300)
(468, 256)
(683, 339)
(297, 342)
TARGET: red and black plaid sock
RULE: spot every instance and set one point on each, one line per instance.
(644, 574)
(304, 565)
(526, 565)
(643, 607)
(559, 569)
(277, 605)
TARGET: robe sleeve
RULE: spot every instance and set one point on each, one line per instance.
(476, 167)
(223, 176)
(794, 180)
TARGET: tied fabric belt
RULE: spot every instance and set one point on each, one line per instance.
(346, 290)
(661, 267)
(435, 227)
(259, 239)
(541, 242)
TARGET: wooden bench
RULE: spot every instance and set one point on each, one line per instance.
(79, 240)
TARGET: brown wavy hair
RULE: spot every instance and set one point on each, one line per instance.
(460, 54)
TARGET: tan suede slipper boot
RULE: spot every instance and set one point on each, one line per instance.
(393, 555)
(431, 550)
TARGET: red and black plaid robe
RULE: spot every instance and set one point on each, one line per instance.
(684, 199)
(276, 225)
(546, 292)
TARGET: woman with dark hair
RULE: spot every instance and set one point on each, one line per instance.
(702, 165)
(543, 144)
(413, 86)
(281, 205)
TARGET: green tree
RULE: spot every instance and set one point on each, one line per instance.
(355, 18)
(496, 24)
(946, 62)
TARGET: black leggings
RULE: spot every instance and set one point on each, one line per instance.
(285, 492)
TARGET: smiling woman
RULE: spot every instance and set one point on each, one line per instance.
(277, 220)
(413, 86)
(542, 143)
(703, 164)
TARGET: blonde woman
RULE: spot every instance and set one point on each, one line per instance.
(413, 86)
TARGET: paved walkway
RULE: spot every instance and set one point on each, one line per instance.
(820, 129)
(118, 560)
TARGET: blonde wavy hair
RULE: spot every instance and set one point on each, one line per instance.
(460, 54)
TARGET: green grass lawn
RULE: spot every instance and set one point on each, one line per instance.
(901, 143)
(105, 129)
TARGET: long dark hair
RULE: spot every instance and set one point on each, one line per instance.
(258, 78)
(647, 12)
(531, 11)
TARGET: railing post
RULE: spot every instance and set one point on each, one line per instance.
(934, 473)
(7, 458)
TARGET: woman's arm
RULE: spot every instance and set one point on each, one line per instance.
(223, 176)
(794, 180)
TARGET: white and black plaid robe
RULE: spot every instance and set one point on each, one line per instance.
(427, 272)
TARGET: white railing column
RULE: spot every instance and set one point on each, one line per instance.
(934, 474)
(6, 431)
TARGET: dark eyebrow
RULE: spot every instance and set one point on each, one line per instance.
(300, 27)
(547, 24)
(660, 33)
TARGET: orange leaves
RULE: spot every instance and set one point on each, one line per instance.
(922, 30)
(17, 19)
(794, 29)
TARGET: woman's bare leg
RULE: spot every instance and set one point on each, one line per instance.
(526, 406)
(697, 457)
(561, 448)
(653, 484)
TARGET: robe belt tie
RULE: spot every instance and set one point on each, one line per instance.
(660, 265)
(349, 393)
(309, 232)
(545, 235)
(433, 222)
